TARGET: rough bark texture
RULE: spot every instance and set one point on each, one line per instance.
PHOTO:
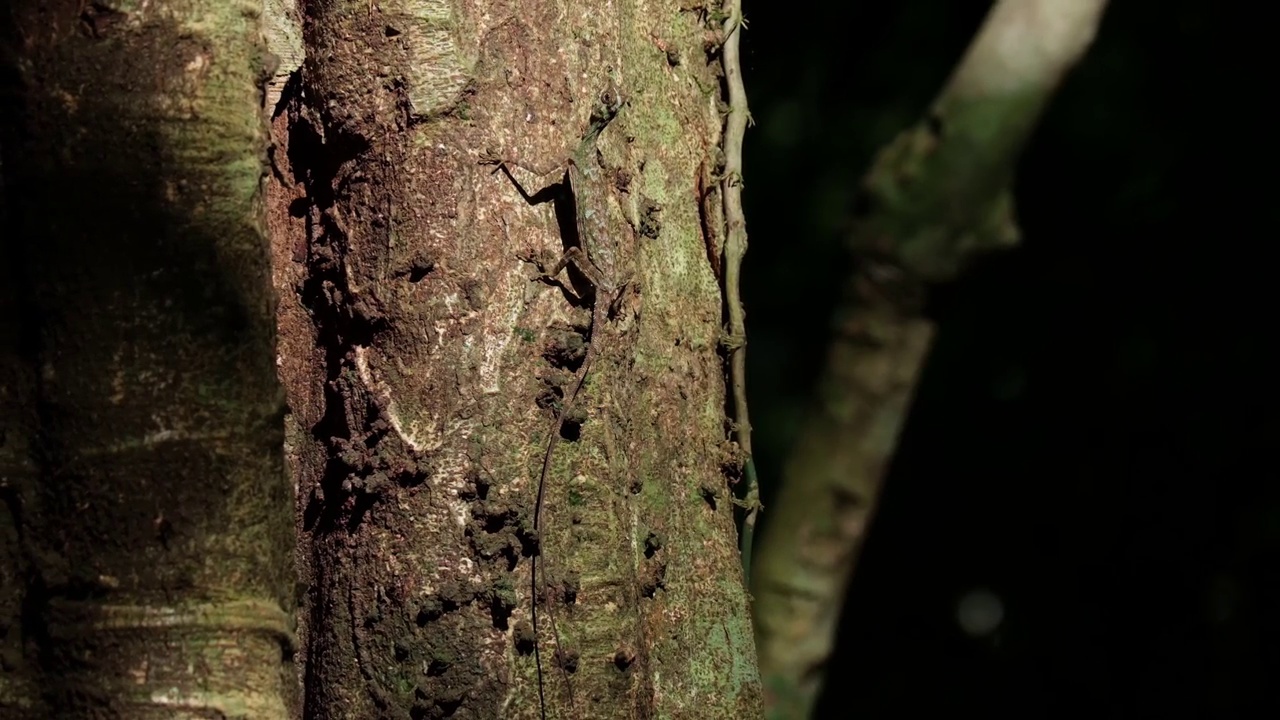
(936, 197)
(158, 528)
(425, 362)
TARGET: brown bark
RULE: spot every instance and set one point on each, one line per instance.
(425, 362)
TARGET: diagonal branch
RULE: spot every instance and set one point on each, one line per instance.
(935, 197)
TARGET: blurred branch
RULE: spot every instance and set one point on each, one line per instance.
(934, 198)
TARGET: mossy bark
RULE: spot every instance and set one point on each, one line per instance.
(426, 362)
(157, 524)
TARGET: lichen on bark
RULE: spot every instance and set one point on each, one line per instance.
(444, 358)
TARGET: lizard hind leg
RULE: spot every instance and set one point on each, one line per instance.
(578, 259)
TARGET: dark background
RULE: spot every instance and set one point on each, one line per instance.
(1094, 439)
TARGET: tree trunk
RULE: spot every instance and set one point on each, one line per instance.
(155, 519)
(428, 365)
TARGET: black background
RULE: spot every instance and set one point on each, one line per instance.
(1094, 438)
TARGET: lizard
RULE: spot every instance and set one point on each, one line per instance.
(583, 189)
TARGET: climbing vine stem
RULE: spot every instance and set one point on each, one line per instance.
(735, 247)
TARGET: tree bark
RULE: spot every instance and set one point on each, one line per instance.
(156, 521)
(426, 362)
